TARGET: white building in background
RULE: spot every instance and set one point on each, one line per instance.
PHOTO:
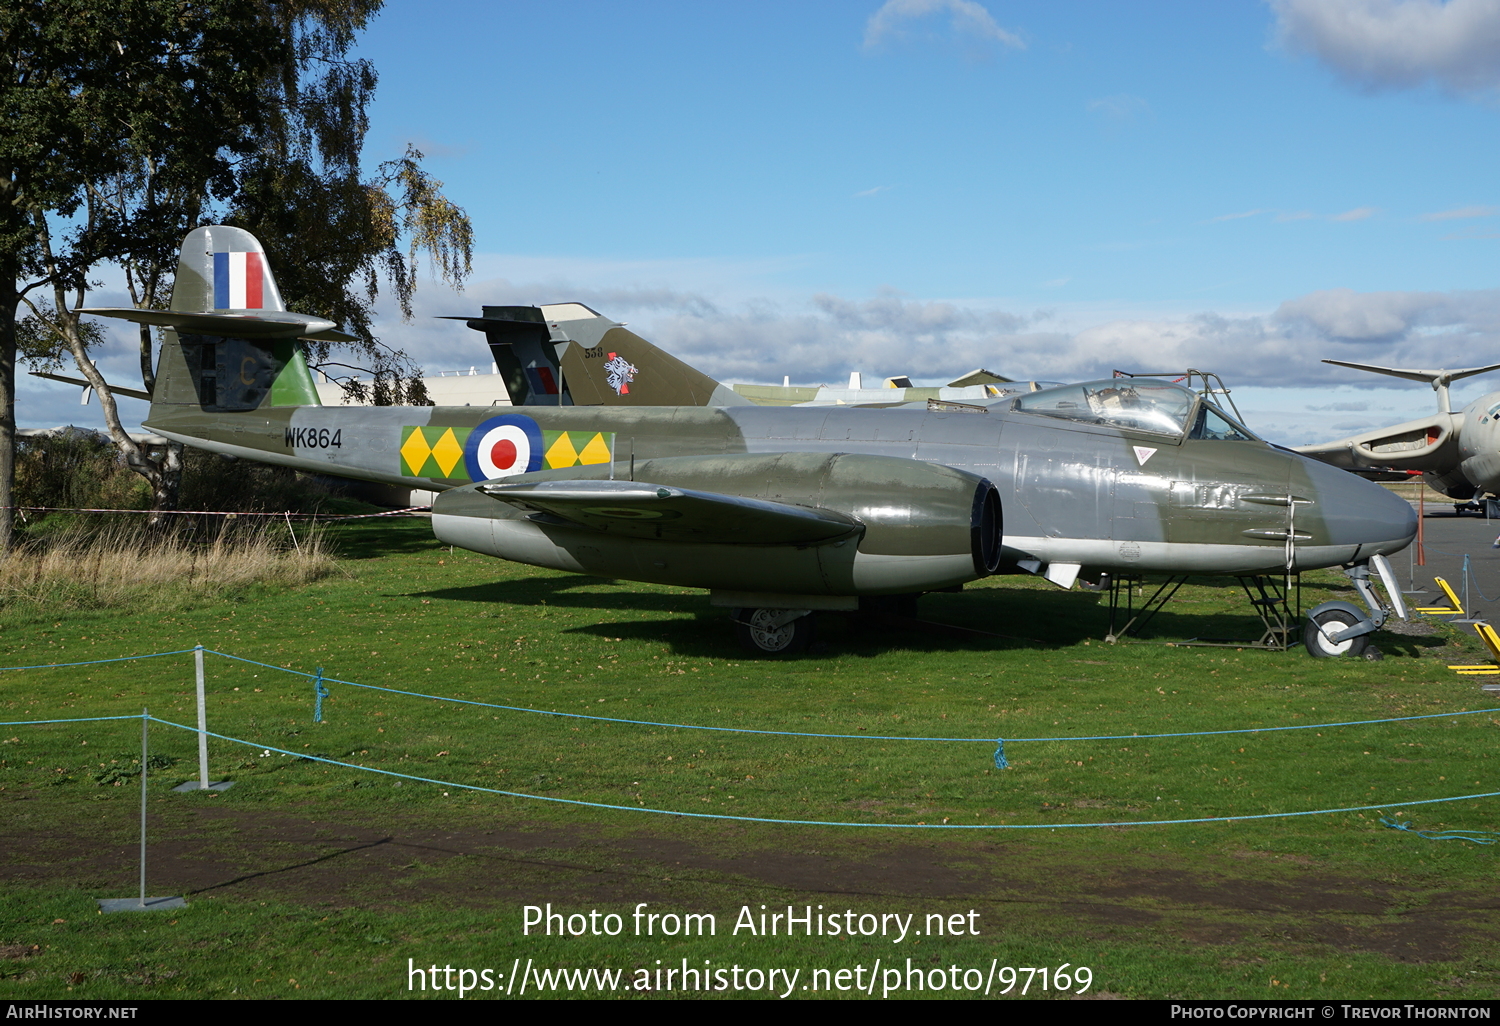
(471, 387)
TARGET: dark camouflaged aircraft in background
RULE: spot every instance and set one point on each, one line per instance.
(621, 461)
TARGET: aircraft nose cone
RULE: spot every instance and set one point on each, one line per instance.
(1356, 512)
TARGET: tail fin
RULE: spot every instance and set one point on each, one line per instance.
(229, 344)
(567, 354)
(224, 270)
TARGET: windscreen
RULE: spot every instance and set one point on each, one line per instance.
(1214, 425)
(1159, 407)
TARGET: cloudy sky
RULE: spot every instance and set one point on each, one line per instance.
(1047, 189)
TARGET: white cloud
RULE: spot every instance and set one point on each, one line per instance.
(872, 192)
(967, 20)
(1470, 233)
(1399, 43)
(1405, 318)
(1461, 213)
(1120, 109)
(821, 338)
(1357, 214)
(1236, 217)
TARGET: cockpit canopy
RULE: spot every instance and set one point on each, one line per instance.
(1137, 404)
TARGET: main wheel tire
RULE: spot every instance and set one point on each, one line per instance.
(1319, 647)
(750, 626)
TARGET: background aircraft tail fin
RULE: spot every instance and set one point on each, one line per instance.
(567, 354)
(1438, 379)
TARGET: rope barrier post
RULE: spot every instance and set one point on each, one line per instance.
(202, 783)
(202, 719)
(142, 903)
(1421, 546)
(1467, 607)
(145, 760)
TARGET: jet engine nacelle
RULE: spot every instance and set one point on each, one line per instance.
(785, 523)
(1455, 482)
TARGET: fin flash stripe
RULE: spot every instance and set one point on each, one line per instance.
(238, 281)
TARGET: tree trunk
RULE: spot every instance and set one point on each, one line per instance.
(148, 369)
(9, 299)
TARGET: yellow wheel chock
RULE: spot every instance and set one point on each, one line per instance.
(1454, 608)
(1492, 642)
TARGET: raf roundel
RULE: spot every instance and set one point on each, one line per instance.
(503, 447)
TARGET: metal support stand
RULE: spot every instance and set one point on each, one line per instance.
(1466, 619)
(202, 783)
(1277, 600)
(1149, 608)
(142, 903)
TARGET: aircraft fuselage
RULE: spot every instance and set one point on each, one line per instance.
(1095, 496)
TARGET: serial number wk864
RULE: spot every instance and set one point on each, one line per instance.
(314, 438)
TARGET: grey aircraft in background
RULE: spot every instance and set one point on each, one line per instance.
(1457, 454)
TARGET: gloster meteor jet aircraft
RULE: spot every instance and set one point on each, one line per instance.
(614, 462)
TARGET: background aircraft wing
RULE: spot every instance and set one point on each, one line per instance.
(1427, 444)
(656, 511)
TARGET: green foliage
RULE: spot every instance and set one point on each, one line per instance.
(75, 470)
(89, 90)
(333, 236)
(44, 347)
(212, 482)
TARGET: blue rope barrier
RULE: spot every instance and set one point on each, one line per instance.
(1473, 836)
(863, 737)
(81, 719)
(821, 822)
(586, 716)
(94, 662)
(1472, 579)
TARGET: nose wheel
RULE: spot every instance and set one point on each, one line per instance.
(1331, 621)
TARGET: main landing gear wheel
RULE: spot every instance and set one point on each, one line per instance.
(1318, 644)
(767, 632)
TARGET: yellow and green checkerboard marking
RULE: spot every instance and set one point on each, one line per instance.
(434, 452)
(576, 448)
(437, 453)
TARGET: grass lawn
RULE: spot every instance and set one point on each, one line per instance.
(311, 880)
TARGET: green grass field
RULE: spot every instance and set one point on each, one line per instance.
(311, 880)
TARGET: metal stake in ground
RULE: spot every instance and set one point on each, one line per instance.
(142, 903)
(202, 784)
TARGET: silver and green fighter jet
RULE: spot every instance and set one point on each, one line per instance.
(776, 511)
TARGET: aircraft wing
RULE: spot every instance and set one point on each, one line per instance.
(656, 511)
(133, 393)
(1427, 444)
